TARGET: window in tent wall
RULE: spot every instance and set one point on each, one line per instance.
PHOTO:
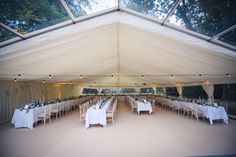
(90, 91)
(106, 91)
(228, 95)
(160, 91)
(128, 91)
(146, 91)
(194, 92)
(172, 91)
(114, 91)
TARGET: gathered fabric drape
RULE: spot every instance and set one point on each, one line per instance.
(179, 88)
(154, 90)
(164, 91)
(209, 89)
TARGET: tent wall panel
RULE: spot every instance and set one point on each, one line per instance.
(16, 94)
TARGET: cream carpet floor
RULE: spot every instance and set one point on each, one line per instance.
(164, 134)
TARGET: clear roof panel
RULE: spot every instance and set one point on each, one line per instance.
(5, 34)
(86, 7)
(208, 17)
(229, 37)
(29, 15)
(154, 8)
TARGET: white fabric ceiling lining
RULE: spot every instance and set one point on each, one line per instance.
(82, 26)
(78, 52)
(43, 47)
(170, 56)
(116, 43)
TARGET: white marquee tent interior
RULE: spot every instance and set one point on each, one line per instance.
(113, 50)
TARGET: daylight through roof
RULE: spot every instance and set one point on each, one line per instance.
(209, 20)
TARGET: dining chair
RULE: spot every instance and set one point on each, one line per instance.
(67, 106)
(134, 105)
(111, 115)
(82, 112)
(57, 110)
(196, 113)
(153, 103)
(46, 115)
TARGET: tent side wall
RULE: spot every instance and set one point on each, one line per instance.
(16, 94)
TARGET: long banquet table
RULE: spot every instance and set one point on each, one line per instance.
(95, 115)
(213, 113)
(27, 118)
(210, 112)
(143, 106)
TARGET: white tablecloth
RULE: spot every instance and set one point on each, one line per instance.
(144, 106)
(97, 116)
(23, 119)
(214, 113)
(210, 112)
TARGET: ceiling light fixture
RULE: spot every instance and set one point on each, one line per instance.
(81, 77)
(228, 75)
(172, 76)
(49, 76)
(142, 77)
(44, 81)
(15, 80)
(19, 75)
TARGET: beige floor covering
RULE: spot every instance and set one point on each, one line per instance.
(164, 134)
